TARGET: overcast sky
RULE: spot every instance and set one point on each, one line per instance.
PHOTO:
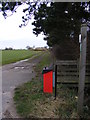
(13, 36)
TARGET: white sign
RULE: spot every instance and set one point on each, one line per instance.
(80, 38)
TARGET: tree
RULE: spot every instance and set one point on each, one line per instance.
(28, 47)
(59, 22)
(59, 19)
(10, 48)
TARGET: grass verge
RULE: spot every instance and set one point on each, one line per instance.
(46, 61)
(32, 102)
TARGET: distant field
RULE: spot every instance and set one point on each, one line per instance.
(10, 56)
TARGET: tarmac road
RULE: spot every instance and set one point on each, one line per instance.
(13, 75)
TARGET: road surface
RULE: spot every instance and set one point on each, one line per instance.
(14, 75)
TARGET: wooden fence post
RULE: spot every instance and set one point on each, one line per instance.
(82, 69)
(55, 81)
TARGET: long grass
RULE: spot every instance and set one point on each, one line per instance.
(10, 56)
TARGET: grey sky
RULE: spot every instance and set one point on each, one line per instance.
(13, 36)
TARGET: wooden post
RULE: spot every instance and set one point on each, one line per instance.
(82, 69)
(55, 81)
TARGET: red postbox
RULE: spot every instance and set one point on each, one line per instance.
(47, 81)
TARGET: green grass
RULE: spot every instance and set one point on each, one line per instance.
(10, 56)
(67, 108)
(44, 63)
(27, 96)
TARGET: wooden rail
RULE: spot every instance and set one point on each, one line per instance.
(67, 73)
(70, 68)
